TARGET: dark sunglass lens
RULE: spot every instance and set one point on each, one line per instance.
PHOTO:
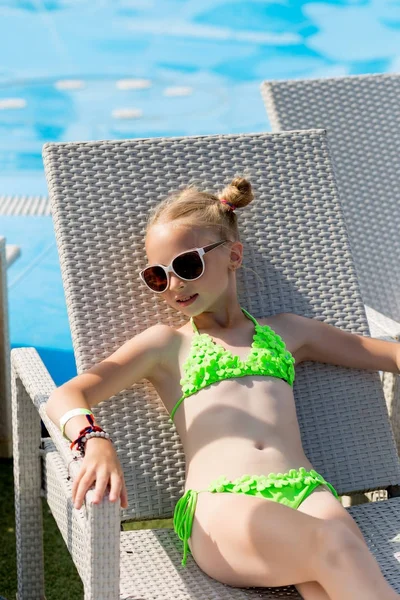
(188, 265)
(156, 278)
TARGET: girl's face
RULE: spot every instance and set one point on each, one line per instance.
(218, 283)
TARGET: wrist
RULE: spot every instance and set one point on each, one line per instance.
(97, 442)
(71, 414)
(74, 426)
(92, 441)
(89, 432)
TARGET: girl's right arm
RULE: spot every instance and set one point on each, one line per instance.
(137, 359)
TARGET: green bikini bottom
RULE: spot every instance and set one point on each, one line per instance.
(286, 488)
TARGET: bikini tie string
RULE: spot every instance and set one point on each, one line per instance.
(183, 519)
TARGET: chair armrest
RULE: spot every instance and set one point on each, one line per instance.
(382, 327)
(28, 367)
(84, 531)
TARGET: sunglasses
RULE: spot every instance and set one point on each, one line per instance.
(187, 266)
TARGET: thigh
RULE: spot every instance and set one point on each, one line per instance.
(312, 591)
(322, 504)
(249, 541)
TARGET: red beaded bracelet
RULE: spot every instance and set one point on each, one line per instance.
(91, 431)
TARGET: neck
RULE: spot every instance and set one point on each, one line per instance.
(226, 317)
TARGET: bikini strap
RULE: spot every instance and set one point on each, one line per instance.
(194, 325)
(249, 316)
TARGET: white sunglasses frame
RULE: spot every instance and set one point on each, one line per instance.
(169, 269)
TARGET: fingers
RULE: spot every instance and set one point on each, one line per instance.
(85, 480)
(115, 487)
(118, 490)
(124, 497)
(75, 487)
(101, 485)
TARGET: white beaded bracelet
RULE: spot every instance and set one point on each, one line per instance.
(100, 434)
(80, 442)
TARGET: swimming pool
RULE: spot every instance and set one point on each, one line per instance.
(79, 70)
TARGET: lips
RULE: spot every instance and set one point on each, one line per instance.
(187, 298)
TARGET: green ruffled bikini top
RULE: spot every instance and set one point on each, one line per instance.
(209, 362)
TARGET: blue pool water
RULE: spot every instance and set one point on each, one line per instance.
(84, 70)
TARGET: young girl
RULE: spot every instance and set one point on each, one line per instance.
(254, 512)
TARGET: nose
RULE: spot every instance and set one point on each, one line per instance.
(175, 283)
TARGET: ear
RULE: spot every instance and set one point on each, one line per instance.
(236, 255)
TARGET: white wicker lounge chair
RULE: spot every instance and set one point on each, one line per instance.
(362, 117)
(8, 254)
(296, 241)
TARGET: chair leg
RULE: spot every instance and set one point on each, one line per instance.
(28, 506)
(102, 577)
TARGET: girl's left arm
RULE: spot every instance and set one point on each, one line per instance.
(321, 342)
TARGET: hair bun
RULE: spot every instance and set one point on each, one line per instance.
(238, 193)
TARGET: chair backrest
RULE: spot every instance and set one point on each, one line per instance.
(297, 259)
(362, 117)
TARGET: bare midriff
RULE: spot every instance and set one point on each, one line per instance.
(237, 427)
(246, 425)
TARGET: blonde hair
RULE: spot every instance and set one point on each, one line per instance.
(204, 209)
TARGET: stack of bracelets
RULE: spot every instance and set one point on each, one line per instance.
(92, 430)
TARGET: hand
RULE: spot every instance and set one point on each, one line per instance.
(101, 466)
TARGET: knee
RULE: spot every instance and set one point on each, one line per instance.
(335, 542)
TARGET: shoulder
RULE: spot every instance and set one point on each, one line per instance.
(161, 338)
(293, 329)
(153, 342)
(166, 341)
(160, 334)
(285, 320)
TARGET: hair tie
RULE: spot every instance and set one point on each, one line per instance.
(231, 206)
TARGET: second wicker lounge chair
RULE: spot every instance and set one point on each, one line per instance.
(361, 115)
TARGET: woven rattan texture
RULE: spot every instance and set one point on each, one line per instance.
(380, 525)
(71, 523)
(382, 326)
(362, 117)
(150, 568)
(92, 526)
(28, 507)
(297, 259)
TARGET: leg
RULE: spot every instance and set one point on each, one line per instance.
(312, 591)
(322, 504)
(248, 541)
